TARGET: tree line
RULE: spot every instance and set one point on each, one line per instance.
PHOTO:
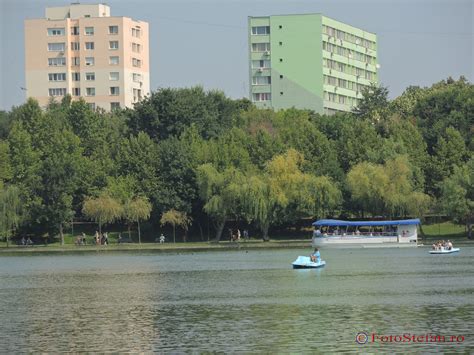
(183, 156)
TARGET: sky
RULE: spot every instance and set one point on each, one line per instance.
(204, 42)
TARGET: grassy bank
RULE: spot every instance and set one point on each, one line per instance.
(191, 246)
(445, 230)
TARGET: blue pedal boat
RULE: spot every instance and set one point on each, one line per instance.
(304, 262)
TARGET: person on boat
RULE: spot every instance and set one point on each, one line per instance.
(317, 233)
(450, 245)
(315, 256)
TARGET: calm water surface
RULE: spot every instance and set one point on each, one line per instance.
(235, 301)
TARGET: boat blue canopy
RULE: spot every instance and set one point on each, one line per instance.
(336, 222)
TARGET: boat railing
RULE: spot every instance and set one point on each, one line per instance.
(357, 234)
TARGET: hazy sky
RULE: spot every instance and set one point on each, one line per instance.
(204, 42)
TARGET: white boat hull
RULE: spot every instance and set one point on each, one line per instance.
(304, 262)
(445, 251)
(363, 241)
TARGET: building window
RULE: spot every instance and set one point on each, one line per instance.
(75, 46)
(56, 31)
(89, 45)
(342, 99)
(56, 47)
(261, 30)
(260, 47)
(261, 80)
(136, 62)
(90, 76)
(262, 96)
(260, 64)
(137, 77)
(114, 60)
(113, 45)
(76, 76)
(57, 62)
(113, 30)
(114, 76)
(91, 105)
(136, 32)
(57, 92)
(76, 91)
(90, 91)
(90, 61)
(114, 106)
(137, 94)
(75, 61)
(57, 77)
(89, 31)
(75, 30)
(136, 48)
(114, 90)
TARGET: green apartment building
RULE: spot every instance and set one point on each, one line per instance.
(309, 61)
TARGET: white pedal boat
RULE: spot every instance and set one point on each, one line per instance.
(304, 262)
(445, 251)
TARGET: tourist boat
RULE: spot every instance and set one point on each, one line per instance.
(332, 232)
(304, 262)
(445, 251)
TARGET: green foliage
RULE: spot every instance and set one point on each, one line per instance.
(220, 193)
(5, 165)
(449, 152)
(103, 209)
(374, 104)
(168, 112)
(457, 195)
(200, 152)
(446, 104)
(386, 189)
(10, 211)
(282, 192)
(176, 218)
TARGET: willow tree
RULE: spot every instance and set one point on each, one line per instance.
(102, 209)
(176, 218)
(220, 192)
(136, 209)
(283, 193)
(386, 189)
(10, 206)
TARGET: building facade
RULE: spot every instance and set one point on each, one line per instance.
(310, 62)
(83, 51)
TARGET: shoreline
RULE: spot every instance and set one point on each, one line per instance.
(184, 247)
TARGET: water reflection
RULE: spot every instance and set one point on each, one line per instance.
(233, 301)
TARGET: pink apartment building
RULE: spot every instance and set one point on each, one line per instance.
(83, 51)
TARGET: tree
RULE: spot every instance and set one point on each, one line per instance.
(449, 152)
(10, 207)
(457, 195)
(102, 209)
(5, 165)
(374, 103)
(283, 193)
(220, 192)
(386, 189)
(168, 112)
(176, 218)
(137, 209)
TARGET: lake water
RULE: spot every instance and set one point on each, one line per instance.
(236, 301)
